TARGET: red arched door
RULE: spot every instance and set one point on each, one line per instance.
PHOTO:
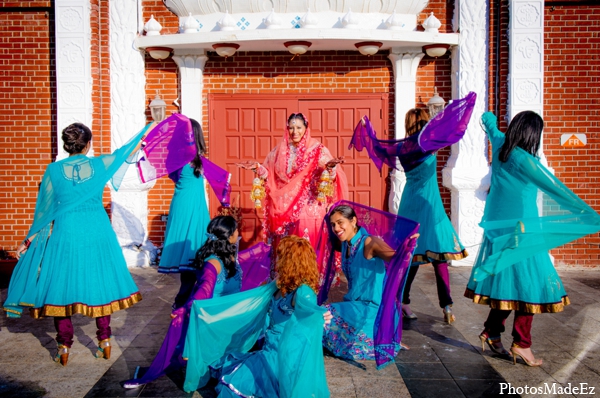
(247, 127)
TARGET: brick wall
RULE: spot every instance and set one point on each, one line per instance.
(572, 105)
(161, 76)
(26, 111)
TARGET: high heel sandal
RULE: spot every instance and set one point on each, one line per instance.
(407, 313)
(103, 349)
(448, 315)
(62, 355)
(535, 362)
(495, 344)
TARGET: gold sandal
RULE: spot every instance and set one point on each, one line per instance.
(103, 349)
(534, 362)
(448, 315)
(62, 355)
(495, 344)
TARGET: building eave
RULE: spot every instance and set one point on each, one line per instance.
(321, 39)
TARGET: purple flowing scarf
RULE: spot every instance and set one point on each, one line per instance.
(170, 146)
(396, 231)
(446, 128)
(255, 263)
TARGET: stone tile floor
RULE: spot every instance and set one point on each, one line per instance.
(444, 361)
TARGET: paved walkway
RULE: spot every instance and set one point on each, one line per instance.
(444, 361)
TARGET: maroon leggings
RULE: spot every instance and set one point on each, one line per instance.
(64, 329)
(494, 326)
(442, 280)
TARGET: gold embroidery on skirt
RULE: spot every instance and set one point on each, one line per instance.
(86, 310)
(518, 305)
(427, 258)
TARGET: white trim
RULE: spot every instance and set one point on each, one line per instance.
(73, 66)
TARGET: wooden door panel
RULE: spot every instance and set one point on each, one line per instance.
(248, 124)
(264, 147)
(264, 120)
(336, 120)
(232, 119)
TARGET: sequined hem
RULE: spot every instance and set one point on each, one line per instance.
(345, 341)
(432, 256)
(225, 384)
(531, 308)
(84, 309)
(174, 269)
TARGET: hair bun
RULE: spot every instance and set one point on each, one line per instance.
(75, 137)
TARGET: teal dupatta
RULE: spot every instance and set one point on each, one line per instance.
(233, 323)
(558, 216)
(89, 176)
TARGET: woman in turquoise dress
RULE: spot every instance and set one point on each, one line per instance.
(188, 218)
(218, 274)
(290, 362)
(350, 334)
(421, 201)
(513, 270)
(71, 262)
(438, 242)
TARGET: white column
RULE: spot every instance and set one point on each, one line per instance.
(191, 72)
(405, 63)
(129, 205)
(73, 67)
(466, 173)
(526, 60)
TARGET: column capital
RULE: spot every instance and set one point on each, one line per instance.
(405, 62)
(191, 64)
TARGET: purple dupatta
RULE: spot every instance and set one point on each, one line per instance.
(255, 264)
(170, 146)
(446, 128)
(396, 231)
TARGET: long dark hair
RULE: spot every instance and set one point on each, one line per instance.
(348, 213)
(200, 147)
(75, 137)
(219, 230)
(525, 132)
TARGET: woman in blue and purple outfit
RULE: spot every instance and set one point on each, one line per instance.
(366, 324)
(218, 274)
(438, 241)
(421, 201)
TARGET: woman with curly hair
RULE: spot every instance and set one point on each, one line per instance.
(218, 274)
(291, 357)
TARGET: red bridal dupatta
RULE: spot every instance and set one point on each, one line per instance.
(293, 196)
(170, 146)
(396, 231)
